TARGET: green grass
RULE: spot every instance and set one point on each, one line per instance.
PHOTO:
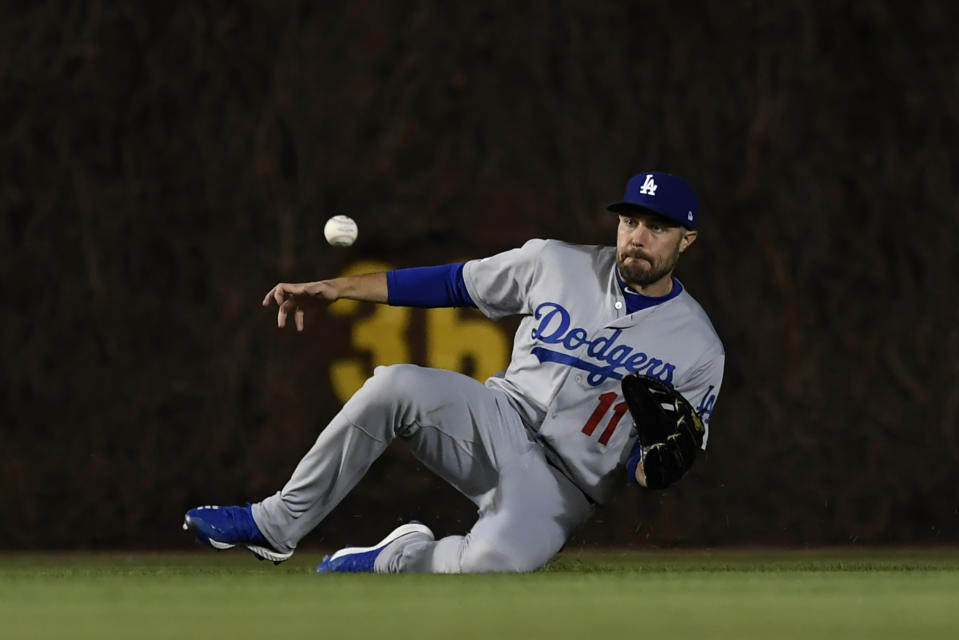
(670, 595)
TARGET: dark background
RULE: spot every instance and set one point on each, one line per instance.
(162, 165)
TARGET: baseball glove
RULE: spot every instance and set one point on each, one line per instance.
(670, 431)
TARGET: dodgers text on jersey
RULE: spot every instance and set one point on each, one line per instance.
(555, 329)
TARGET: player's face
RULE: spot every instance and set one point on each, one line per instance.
(647, 249)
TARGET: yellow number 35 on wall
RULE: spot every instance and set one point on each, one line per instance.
(455, 339)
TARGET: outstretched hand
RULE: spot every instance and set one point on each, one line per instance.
(295, 298)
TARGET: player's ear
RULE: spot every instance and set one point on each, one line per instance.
(688, 238)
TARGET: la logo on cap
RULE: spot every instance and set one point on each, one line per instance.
(649, 187)
(661, 193)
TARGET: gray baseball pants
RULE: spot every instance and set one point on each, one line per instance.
(464, 432)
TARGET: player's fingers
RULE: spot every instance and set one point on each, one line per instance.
(279, 294)
(298, 318)
(268, 297)
(285, 308)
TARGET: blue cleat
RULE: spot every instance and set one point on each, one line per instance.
(226, 527)
(360, 559)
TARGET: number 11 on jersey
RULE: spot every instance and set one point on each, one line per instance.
(605, 402)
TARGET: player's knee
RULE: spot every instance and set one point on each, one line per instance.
(388, 399)
(388, 386)
(396, 380)
(481, 556)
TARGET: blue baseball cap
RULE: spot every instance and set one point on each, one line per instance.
(661, 193)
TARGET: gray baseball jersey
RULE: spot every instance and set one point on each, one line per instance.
(576, 342)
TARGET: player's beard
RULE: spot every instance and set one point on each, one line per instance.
(643, 270)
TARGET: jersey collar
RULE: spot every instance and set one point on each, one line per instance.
(637, 301)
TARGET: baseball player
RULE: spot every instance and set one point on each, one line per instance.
(614, 374)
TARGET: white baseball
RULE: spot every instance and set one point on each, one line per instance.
(341, 231)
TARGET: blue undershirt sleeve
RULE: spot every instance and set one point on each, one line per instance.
(428, 287)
